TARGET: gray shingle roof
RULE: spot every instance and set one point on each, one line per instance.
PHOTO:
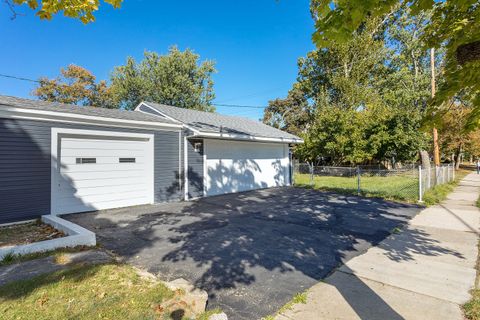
(80, 110)
(215, 123)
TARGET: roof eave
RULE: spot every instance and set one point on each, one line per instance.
(245, 137)
(33, 114)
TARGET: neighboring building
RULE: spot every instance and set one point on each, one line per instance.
(57, 158)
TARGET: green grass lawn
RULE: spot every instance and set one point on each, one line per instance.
(110, 291)
(402, 187)
(398, 187)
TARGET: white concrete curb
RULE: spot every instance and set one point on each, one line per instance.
(76, 236)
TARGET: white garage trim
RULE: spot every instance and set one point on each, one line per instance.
(58, 116)
(56, 135)
(243, 137)
(205, 171)
(185, 168)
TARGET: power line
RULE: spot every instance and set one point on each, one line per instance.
(18, 78)
(215, 104)
(238, 106)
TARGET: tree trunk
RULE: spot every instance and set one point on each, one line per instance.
(468, 52)
(425, 159)
(458, 158)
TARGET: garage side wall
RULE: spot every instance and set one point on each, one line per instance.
(25, 166)
(195, 168)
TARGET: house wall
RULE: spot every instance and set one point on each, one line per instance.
(25, 165)
(195, 168)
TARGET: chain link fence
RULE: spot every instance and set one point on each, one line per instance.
(434, 176)
(408, 183)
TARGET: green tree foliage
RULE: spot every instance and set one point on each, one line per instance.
(292, 114)
(456, 138)
(76, 85)
(77, 9)
(453, 25)
(178, 79)
(365, 97)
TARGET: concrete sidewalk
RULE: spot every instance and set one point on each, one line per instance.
(424, 272)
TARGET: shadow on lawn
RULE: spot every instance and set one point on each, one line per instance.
(224, 240)
(19, 289)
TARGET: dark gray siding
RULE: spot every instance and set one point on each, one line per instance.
(24, 170)
(195, 169)
(25, 166)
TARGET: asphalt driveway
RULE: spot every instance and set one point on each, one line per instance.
(250, 251)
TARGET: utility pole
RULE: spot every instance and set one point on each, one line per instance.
(436, 151)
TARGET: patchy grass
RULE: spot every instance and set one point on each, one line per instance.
(58, 253)
(297, 298)
(439, 193)
(207, 314)
(471, 309)
(25, 233)
(394, 187)
(110, 291)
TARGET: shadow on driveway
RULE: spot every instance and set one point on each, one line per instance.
(250, 251)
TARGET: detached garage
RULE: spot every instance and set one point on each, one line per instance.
(58, 159)
(226, 154)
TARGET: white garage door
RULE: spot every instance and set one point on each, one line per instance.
(233, 166)
(102, 172)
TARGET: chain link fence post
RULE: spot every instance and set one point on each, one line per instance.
(420, 191)
(358, 180)
(311, 174)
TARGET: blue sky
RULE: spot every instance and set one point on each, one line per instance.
(255, 44)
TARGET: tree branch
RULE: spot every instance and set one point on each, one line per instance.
(11, 6)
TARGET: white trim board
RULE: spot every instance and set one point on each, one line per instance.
(185, 168)
(242, 137)
(57, 133)
(42, 115)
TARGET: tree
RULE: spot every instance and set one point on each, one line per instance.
(75, 85)
(361, 101)
(453, 25)
(456, 137)
(77, 9)
(292, 114)
(176, 79)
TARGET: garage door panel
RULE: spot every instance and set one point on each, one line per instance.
(102, 144)
(103, 197)
(101, 190)
(72, 161)
(242, 166)
(99, 175)
(80, 206)
(99, 167)
(101, 153)
(106, 182)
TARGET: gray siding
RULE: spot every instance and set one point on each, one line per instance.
(195, 169)
(25, 166)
